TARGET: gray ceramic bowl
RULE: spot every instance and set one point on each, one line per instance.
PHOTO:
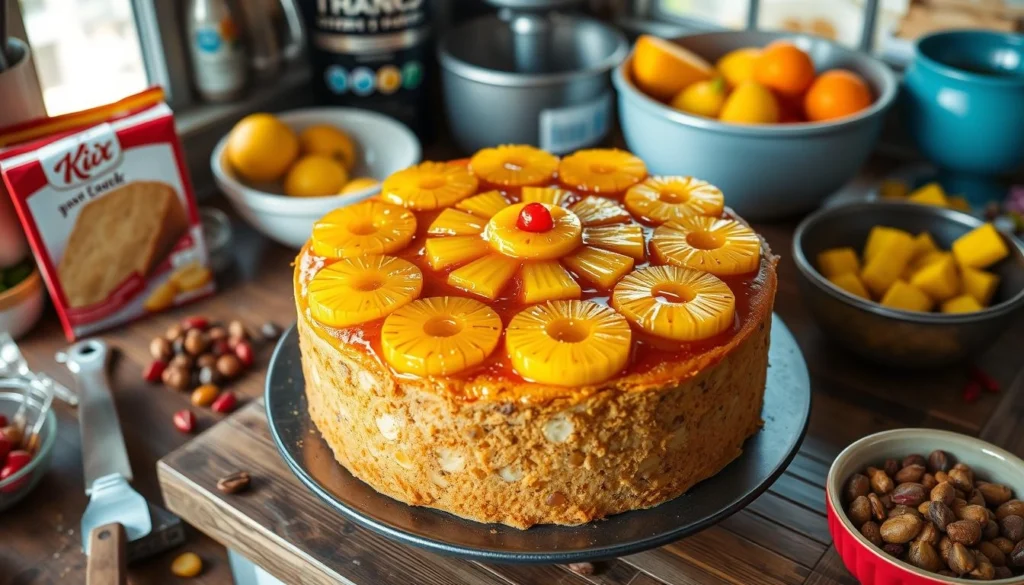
(865, 560)
(890, 336)
(766, 171)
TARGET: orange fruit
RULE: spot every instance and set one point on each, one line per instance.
(836, 94)
(662, 69)
(784, 68)
(260, 148)
(315, 175)
(737, 66)
(750, 103)
(329, 141)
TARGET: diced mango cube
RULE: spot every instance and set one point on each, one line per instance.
(836, 261)
(902, 295)
(961, 304)
(879, 237)
(958, 202)
(923, 244)
(979, 284)
(938, 279)
(889, 261)
(849, 282)
(930, 194)
(893, 189)
(928, 258)
(980, 247)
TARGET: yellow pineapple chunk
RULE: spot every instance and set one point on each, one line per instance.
(568, 343)
(849, 282)
(565, 235)
(836, 261)
(370, 227)
(893, 189)
(907, 297)
(440, 336)
(676, 303)
(979, 284)
(551, 196)
(939, 279)
(601, 170)
(709, 244)
(959, 203)
(514, 165)
(662, 199)
(594, 211)
(429, 185)
(923, 244)
(356, 290)
(930, 194)
(483, 205)
(547, 280)
(601, 267)
(888, 263)
(452, 222)
(879, 237)
(485, 277)
(625, 239)
(446, 252)
(980, 248)
(961, 304)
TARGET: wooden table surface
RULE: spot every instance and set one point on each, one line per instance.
(780, 538)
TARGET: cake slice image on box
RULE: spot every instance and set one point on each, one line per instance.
(128, 231)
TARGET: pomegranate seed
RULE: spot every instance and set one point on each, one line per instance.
(154, 371)
(536, 218)
(244, 352)
(184, 421)
(224, 403)
(5, 449)
(16, 461)
(195, 322)
(3, 420)
(972, 392)
(987, 382)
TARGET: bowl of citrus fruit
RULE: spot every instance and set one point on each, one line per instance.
(778, 121)
(283, 172)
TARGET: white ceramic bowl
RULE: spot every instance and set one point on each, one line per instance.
(21, 305)
(385, 146)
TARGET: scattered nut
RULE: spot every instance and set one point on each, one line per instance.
(582, 568)
(928, 481)
(175, 377)
(207, 360)
(871, 531)
(196, 342)
(891, 467)
(893, 549)
(930, 534)
(989, 530)
(995, 494)
(1010, 508)
(860, 511)
(914, 459)
(983, 570)
(173, 332)
(924, 508)
(857, 486)
(880, 482)
(962, 479)
(216, 333)
(236, 330)
(923, 555)
(941, 515)
(1005, 545)
(992, 552)
(234, 483)
(160, 349)
(938, 461)
(1017, 555)
(1012, 528)
(877, 508)
(900, 509)
(973, 512)
(204, 395)
(902, 529)
(908, 494)
(966, 532)
(181, 361)
(229, 366)
(910, 474)
(944, 492)
(187, 565)
(961, 560)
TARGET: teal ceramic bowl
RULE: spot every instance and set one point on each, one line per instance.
(766, 171)
(963, 100)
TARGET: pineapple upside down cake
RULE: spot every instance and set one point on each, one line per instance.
(529, 340)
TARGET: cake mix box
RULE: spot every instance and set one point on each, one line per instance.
(108, 208)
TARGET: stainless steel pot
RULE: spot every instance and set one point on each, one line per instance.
(530, 78)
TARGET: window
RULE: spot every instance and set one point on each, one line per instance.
(87, 52)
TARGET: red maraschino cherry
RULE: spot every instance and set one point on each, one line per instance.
(534, 217)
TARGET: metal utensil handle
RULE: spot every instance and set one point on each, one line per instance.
(103, 449)
(296, 31)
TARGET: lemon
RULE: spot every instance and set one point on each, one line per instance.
(358, 184)
(750, 103)
(260, 148)
(704, 98)
(327, 140)
(315, 175)
(738, 66)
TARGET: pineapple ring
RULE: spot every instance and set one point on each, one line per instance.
(429, 185)
(675, 303)
(601, 170)
(361, 289)
(514, 165)
(370, 227)
(662, 199)
(439, 336)
(565, 235)
(715, 245)
(568, 343)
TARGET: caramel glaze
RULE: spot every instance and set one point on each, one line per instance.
(654, 361)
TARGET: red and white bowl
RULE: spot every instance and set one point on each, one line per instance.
(870, 564)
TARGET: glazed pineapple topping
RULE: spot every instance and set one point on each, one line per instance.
(580, 258)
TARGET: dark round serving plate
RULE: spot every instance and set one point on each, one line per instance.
(765, 456)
